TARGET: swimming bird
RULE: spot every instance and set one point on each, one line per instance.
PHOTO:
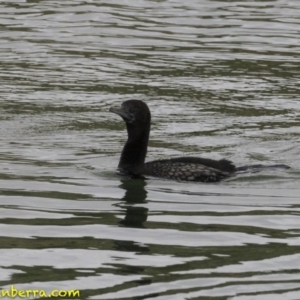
(137, 117)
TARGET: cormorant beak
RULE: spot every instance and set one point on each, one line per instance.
(126, 116)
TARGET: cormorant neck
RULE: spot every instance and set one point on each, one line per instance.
(134, 152)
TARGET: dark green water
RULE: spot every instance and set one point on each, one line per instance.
(221, 79)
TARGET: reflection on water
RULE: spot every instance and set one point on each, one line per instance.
(135, 193)
(221, 80)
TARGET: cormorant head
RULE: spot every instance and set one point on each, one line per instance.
(133, 112)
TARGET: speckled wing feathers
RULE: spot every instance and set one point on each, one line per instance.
(183, 171)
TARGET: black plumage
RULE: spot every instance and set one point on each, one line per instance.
(137, 117)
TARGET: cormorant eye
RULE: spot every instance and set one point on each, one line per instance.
(130, 117)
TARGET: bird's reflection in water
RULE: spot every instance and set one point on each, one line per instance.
(135, 214)
(135, 193)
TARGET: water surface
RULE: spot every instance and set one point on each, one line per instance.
(221, 79)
